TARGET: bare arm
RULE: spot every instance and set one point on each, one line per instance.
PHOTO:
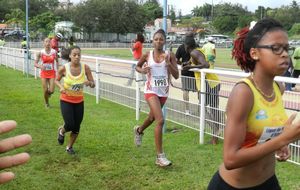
(57, 62)
(60, 74)
(89, 76)
(172, 65)
(235, 131)
(139, 67)
(37, 59)
(199, 59)
(215, 52)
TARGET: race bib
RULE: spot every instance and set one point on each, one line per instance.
(75, 90)
(269, 133)
(48, 66)
(159, 81)
(77, 87)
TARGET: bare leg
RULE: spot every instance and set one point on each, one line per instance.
(73, 137)
(156, 111)
(45, 90)
(51, 86)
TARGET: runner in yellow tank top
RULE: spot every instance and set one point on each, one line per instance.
(257, 127)
(76, 75)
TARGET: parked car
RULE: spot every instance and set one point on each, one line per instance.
(14, 35)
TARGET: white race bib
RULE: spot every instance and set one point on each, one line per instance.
(269, 133)
(48, 66)
(159, 81)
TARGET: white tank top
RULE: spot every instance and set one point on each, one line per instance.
(158, 78)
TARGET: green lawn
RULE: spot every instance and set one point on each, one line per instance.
(107, 158)
(223, 55)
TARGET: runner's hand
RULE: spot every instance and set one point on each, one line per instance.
(292, 129)
(283, 154)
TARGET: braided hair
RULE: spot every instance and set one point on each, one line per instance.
(247, 39)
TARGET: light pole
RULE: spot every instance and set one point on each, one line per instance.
(212, 9)
(27, 40)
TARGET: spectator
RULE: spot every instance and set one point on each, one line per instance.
(71, 42)
(288, 73)
(296, 71)
(2, 42)
(187, 77)
(199, 60)
(137, 51)
(210, 50)
(55, 42)
(24, 43)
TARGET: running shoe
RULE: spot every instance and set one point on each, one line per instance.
(70, 150)
(137, 136)
(60, 137)
(162, 161)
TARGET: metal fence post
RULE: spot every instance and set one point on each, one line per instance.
(6, 63)
(23, 53)
(164, 112)
(202, 107)
(137, 96)
(15, 56)
(97, 81)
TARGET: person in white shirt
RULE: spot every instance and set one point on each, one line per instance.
(158, 65)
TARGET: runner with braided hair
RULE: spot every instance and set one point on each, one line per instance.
(257, 127)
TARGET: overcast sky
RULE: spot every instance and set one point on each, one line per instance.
(187, 5)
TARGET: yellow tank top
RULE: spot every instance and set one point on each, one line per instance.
(73, 85)
(266, 119)
(211, 78)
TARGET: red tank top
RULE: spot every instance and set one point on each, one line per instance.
(48, 61)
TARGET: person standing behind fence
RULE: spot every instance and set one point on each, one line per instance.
(158, 65)
(48, 67)
(210, 50)
(2, 42)
(257, 126)
(137, 51)
(296, 71)
(55, 42)
(74, 76)
(24, 43)
(212, 86)
(187, 77)
(288, 73)
(71, 42)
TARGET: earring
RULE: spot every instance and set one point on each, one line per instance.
(255, 58)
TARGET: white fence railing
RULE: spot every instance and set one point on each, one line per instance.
(206, 115)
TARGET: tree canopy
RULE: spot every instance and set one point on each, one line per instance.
(128, 16)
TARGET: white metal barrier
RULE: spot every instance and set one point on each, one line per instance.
(111, 75)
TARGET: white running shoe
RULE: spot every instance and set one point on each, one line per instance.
(137, 136)
(162, 161)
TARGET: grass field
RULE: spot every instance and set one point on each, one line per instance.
(106, 156)
(223, 55)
